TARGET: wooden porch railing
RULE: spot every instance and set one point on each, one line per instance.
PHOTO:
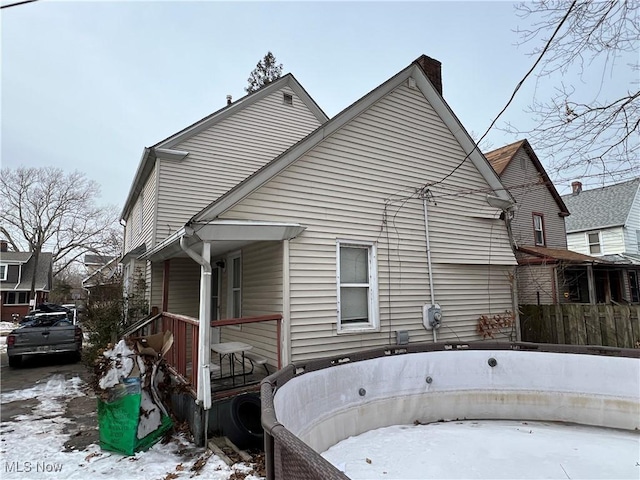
(183, 355)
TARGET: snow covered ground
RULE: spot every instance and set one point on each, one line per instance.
(489, 449)
(32, 446)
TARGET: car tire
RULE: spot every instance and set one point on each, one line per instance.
(15, 361)
(242, 425)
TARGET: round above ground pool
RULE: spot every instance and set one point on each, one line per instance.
(456, 411)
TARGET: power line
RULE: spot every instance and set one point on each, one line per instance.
(544, 50)
(17, 3)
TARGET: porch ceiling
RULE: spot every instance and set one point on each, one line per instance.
(224, 236)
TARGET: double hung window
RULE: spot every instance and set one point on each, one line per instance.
(356, 276)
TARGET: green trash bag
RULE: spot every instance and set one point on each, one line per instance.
(118, 423)
(148, 441)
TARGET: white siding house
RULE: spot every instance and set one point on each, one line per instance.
(604, 221)
(336, 232)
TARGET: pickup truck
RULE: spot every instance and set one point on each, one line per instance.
(44, 333)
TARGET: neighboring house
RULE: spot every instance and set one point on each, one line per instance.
(548, 272)
(17, 270)
(102, 271)
(347, 234)
(605, 223)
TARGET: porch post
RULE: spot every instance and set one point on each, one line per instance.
(204, 344)
(592, 285)
(285, 330)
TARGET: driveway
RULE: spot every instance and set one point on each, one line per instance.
(80, 411)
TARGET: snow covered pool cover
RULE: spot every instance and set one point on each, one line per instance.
(488, 449)
(333, 402)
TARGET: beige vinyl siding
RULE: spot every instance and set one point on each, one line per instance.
(155, 285)
(184, 287)
(354, 186)
(225, 154)
(526, 185)
(534, 281)
(261, 295)
(134, 236)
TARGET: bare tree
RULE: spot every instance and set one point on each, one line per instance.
(583, 133)
(266, 71)
(46, 209)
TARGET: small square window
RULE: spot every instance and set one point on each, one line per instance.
(287, 99)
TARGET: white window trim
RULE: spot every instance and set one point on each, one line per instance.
(536, 230)
(586, 236)
(3, 276)
(374, 311)
(229, 268)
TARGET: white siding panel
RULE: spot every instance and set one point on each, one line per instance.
(225, 154)
(612, 240)
(361, 184)
(632, 227)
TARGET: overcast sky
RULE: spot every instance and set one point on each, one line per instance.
(87, 85)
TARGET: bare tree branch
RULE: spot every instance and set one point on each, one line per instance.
(592, 135)
(44, 209)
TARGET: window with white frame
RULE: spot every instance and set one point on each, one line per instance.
(234, 266)
(3, 271)
(594, 243)
(538, 228)
(357, 280)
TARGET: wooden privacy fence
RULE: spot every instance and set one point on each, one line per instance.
(577, 324)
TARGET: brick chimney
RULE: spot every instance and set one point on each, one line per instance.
(576, 187)
(433, 69)
(4, 246)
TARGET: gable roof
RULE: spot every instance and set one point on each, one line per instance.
(278, 164)
(43, 273)
(92, 259)
(15, 257)
(164, 148)
(603, 207)
(502, 157)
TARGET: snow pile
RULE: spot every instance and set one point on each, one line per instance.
(6, 327)
(32, 446)
(120, 364)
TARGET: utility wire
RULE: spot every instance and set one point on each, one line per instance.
(17, 3)
(544, 50)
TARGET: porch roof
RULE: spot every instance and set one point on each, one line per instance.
(558, 254)
(224, 235)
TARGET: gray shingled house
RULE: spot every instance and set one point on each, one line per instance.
(605, 223)
(17, 270)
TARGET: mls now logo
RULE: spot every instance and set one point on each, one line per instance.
(27, 467)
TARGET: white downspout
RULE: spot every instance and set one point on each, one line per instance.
(204, 344)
